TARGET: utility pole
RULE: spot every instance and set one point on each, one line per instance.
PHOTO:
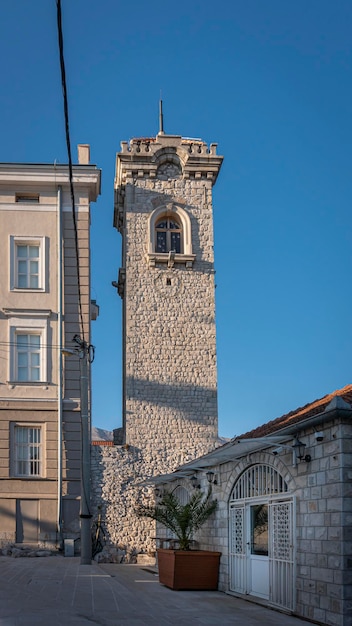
(86, 355)
(85, 514)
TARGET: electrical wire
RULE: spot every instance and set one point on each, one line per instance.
(68, 144)
(9, 344)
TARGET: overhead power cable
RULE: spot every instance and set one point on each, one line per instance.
(68, 144)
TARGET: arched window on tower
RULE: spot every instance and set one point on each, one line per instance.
(168, 235)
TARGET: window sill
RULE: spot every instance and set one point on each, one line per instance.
(27, 313)
(28, 289)
(27, 383)
(39, 478)
(170, 259)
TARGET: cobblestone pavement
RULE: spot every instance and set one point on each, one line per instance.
(59, 591)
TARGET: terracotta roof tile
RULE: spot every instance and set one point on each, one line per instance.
(300, 414)
(102, 443)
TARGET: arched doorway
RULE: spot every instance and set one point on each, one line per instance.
(261, 514)
(183, 496)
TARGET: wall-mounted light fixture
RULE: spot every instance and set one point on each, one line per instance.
(211, 478)
(299, 450)
(194, 482)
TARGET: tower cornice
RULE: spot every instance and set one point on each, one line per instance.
(142, 156)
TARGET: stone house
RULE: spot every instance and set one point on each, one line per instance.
(40, 430)
(284, 520)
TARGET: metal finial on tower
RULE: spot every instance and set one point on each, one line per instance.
(161, 118)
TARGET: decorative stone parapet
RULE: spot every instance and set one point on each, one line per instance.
(142, 157)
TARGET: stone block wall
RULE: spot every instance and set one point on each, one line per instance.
(118, 487)
(323, 522)
(117, 472)
(321, 565)
(171, 377)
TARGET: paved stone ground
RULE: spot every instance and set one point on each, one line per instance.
(59, 591)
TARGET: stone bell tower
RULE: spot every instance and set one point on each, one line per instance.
(163, 210)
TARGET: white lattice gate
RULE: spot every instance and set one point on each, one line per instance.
(281, 554)
(251, 488)
(238, 556)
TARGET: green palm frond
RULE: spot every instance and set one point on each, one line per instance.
(182, 519)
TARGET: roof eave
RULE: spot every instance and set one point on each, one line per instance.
(227, 453)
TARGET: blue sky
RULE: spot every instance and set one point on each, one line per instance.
(270, 82)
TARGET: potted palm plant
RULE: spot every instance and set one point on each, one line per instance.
(184, 568)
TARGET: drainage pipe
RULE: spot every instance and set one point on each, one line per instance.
(59, 364)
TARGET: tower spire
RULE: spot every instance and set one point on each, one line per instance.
(161, 118)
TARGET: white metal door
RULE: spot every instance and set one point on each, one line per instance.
(262, 550)
(281, 553)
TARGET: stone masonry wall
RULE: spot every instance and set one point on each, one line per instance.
(116, 472)
(321, 513)
(171, 379)
(323, 524)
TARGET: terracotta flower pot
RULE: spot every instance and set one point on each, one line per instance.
(193, 569)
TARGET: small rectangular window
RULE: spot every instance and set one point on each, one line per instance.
(28, 339)
(259, 529)
(27, 198)
(27, 450)
(27, 263)
(28, 357)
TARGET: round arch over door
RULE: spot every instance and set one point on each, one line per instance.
(261, 515)
(182, 494)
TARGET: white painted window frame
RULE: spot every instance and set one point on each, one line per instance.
(13, 450)
(31, 327)
(183, 218)
(41, 242)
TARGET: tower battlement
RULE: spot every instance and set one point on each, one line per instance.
(141, 157)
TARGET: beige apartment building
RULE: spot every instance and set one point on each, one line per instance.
(44, 265)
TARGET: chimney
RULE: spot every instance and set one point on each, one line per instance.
(83, 153)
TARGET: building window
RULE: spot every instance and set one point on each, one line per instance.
(27, 267)
(169, 231)
(27, 451)
(28, 357)
(259, 480)
(28, 339)
(168, 235)
(27, 198)
(182, 494)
